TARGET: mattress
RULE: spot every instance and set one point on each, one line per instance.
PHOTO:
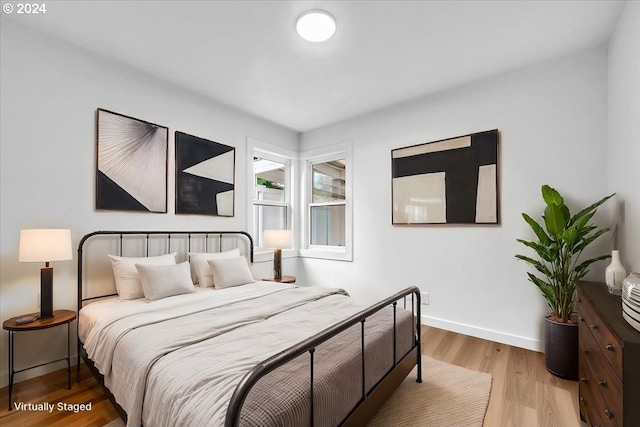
(177, 361)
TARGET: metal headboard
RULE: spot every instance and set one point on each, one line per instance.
(146, 234)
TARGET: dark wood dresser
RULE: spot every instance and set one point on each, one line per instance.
(609, 372)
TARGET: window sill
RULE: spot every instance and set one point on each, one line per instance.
(327, 252)
(266, 255)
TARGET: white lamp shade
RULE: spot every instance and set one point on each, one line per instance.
(277, 238)
(45, 245)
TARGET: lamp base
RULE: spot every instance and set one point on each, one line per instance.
(277, 264)
(46, 292)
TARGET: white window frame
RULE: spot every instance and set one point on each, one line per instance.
(307, 160)
(289, 158)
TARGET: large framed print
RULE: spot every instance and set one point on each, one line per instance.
(131, 164)
(451, 181)
(205, 176)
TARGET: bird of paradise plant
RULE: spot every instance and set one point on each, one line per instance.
(559, 247)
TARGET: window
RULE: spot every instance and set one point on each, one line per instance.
(271, 209)
(271, 195)
(327, 207)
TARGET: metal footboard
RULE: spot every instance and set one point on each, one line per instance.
(309, 346)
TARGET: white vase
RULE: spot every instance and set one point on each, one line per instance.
(615, 274)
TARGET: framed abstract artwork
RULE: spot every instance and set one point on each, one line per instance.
(205, 176)
(131, 164)
(452, 181)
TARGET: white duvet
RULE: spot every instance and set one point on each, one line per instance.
(177, 361)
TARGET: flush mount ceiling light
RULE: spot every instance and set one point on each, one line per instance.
(316, 25)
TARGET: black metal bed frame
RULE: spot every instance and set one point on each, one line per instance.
(369, 402)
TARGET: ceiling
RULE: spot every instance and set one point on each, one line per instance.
(246, 54)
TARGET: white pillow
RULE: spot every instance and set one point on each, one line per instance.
(202, 269)
(127, 280)
(228, 272)
(161, 281)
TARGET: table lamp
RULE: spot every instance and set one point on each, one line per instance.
(45, 245)
(277, 240)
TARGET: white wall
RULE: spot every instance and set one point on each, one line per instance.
(623, 162)
(552, 120)
(50, 92)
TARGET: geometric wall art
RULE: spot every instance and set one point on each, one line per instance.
(452, 181)
(131, 164)
(205, 176)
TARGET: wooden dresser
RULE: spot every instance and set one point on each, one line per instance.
(609, 372)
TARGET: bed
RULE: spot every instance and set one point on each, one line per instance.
(260, 354)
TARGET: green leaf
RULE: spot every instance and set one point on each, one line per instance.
(582, 221)
(565, 213)
(569, 236)
(585, 264)
(588, 240)
(551, 196)
(547, 289)
(541, 267)
(554, 219)
(591, 207)
(537, 228)
(541, 250)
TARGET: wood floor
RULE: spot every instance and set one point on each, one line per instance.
(523, 393)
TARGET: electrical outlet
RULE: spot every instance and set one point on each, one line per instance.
(425, 298)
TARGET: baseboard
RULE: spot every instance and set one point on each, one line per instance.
(487, 334)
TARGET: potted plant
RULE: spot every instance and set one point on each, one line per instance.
(559, 247)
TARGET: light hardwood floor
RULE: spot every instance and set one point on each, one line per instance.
(523, 393)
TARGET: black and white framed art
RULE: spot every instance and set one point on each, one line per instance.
(205, 176)
(451, 181)
(131, 165)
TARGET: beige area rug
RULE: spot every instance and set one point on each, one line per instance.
(448, 396)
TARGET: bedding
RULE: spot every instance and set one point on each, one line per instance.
(201, 267)
(162, 281)
(92, 313)
(128, 284)
(177, 360)
(229, 272)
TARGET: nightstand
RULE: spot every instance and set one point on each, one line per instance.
(60, 317)
(285, 279)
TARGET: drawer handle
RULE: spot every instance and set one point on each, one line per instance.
(602, 383)
(610, 347)
(593, 326)
(583, 379)
(608, 413)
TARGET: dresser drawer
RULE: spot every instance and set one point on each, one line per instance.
(588, 407)
(601, 377)
(605, 340)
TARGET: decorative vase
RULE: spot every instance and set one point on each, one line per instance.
(631, 300)
(615, 274)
